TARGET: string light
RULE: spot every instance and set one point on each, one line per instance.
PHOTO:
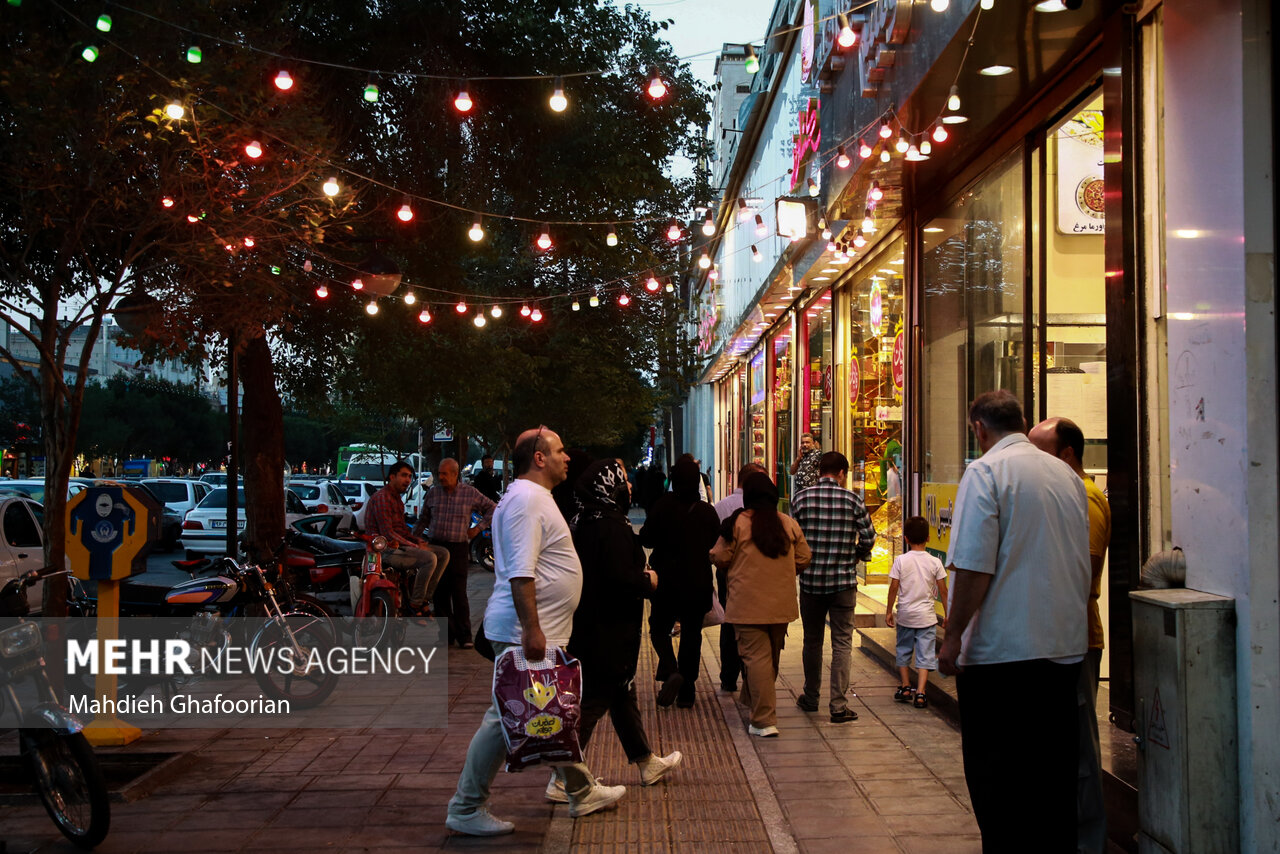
(674, 233)
(175, 111)
(536, 315)
(761, 229)
(939, 5)
(424, 316)
(495, 312)
(847, 37)
(284, 82)
(813, 187)
(885, 130)
(461, 307)
(652, 284)
(544, 239)
(249, 243)
(611, 239)
(656, 87)
(752, 65)
(558, 101)
(864, 150)
(704, 261)
(594, 302)
(987, 5)
(253, 149)
(859, 240)
(714, 274)
(926, 147)
(624, 299)
(462, 101)
(953, 99)
(371, 92)
(709, 226)
(372, 308)
(914, 154)
(192, 218)
(671, 288)
(103, 23)
(322, 292)
(306, 266)
(743, 211)
(167, 202)
(826, 229)
(525, 311)
(868, 224)
(876, 193)
(842, 159)
(576, 306)
(940, 133)
(476, 232)
(194, 55)
(405, 214)
(89, 54)
(902, 145)
(839, 257)
(410, 298)
(479, 320)
(755, 254)
(331, 187)
(357, 284)
(884, 155)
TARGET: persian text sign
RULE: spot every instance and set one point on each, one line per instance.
(807, 142)
(888, 24)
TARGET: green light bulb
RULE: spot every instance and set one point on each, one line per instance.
(371, 93)
(104, 23)
(89, 54)
(194, 56)
(275, 271)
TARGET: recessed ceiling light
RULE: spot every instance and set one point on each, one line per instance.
(996, 70)
(933, 229)
(896, 261)
(890, 272)
(954, 119)
(821, 279)
(830, 270)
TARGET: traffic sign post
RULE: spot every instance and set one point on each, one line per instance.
(110, 531)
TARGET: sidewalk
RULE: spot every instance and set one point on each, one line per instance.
(889, 782)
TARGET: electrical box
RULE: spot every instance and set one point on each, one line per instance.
(1185, 693)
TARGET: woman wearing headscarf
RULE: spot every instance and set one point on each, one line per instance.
(764, 551)
(680, 529)
(607, 622)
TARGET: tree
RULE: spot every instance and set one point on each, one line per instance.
(138, 417)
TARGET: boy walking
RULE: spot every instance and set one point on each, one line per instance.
(915, 581)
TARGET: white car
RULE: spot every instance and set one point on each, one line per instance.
(178, 494)
(22, 542)
(358, 493)
(322, 497)
(205, 529)
(33, 488)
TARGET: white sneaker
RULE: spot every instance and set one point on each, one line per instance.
(555, 790)
(763, 731)
(655, 768)
(479, 823)
(596, 798)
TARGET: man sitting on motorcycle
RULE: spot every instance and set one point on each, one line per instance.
(385, 517)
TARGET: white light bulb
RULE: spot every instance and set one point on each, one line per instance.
(409, 298)
(495, 312)
(479, 320)
(558, 101)
(175, 111)
(705, 261)
(331, 187)
(476, 233)
(371, 308)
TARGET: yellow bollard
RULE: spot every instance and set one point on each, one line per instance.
(108, 729)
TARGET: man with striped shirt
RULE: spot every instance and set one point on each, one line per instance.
(838, 529)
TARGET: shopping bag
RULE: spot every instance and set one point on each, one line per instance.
(540, 702)
(715, 616)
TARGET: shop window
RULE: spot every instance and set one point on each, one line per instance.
(756, 450)
(817, 404)
(779, 351)
(876, 377)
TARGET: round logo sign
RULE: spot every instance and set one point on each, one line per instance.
(877, 308)
(899, 360)
(855, 380)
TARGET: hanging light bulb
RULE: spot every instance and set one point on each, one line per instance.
(839, 257)
(673, 233)
(842, 159)
(192, 218)
(424, 316)
(103, 23)
(752, 65)
(624, 299)
(671, 288)
(405, 214)
(322, 292)
(864, 150)
(576, 306)
(832, 246)
(175, 111)
(704, 261)
(249, 243)
(714, 274)
(744, 212)
(914, 155)
(652, 284)
(525, 311)
(885, 130)
(868, 224)
(926, 147)
(371, 92)
(410, 298)
(939, 5)
(953, 99)
(357, 284)
(813, 187)
(859, 240)
(479, 320)
(708, 225)
(987, 5)
(902, 145)
(558, 101)
(884, 155)
(495, 312)
(761, 229)
(611, 239)
(194, 55)
(847, 37)
(755, 254)
(476, 232)
(331, 187)
(461, 307)
(656, 87)
(876, 193)
(372, 308)
(284, 82)
(167, 202)
(462, 101)
(89, 54)
(594, 302)
(940, 133)
(306, 266)
(544, 239)
(536, 315)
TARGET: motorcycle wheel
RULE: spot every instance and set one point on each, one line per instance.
(70, 784)
(482, 552)
(376, 628)
(308, 604)
(303, 687)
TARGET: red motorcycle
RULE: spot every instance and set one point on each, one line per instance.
(377, 598)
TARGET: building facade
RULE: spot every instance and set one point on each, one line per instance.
(1073, 201)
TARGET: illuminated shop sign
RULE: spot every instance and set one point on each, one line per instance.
(808, 140)
(793, 217)
(887, 26)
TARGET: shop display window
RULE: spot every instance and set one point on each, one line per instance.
(817, 335)
(779, 351)
(756, 450)
(877, 379)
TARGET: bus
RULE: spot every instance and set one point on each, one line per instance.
(370, 462)
(346, 452)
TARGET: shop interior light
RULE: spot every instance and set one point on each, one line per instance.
(462, 101)
(761, 229)
(842, 158)
(558, 101)
(847, 37)
(864, 150)
(752, 65)
(996, 70)
(953, 100)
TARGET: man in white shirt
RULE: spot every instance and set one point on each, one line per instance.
(1017, 630)
(537, 583)
(730, 661)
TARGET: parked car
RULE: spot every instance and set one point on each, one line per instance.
(205, 529)
(217, 478)
(22, 541)
(34, 489)
(358, 493)
(324, 497)
(177, 494)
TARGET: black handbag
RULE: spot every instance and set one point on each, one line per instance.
(483, 646)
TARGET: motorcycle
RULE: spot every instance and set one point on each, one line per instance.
(482, 545)
(321, 568)
(53, 747)
(376, 598)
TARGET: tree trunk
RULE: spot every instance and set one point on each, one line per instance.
(59, 452)
(262, 455)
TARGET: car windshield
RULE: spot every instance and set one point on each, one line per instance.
(305, 491)
(167, 492)
(217, 499)
(349, 488)
(31, 490)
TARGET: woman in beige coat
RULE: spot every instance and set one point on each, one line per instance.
(764, 551)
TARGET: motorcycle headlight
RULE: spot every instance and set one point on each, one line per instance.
(379, 543)
(20, 639)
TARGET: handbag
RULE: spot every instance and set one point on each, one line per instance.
(483, 645)
(715, 616)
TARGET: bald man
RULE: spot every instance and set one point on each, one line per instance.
(447, 508)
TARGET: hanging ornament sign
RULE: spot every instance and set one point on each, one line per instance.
(877, 308)
(899, 361)
(855, 380)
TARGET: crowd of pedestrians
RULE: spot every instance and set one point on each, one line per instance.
(1029, 535)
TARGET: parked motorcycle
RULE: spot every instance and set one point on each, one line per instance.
(377, 597)
(322, 567)
(482, 545)
(54, 749)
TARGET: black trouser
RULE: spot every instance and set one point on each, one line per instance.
(614, 693)
(1018, 731)
(451, 594)
(730, 660)
(661, 619)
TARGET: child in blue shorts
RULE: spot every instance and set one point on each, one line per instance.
(915, 581)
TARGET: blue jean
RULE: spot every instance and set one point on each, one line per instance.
(925, 644)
